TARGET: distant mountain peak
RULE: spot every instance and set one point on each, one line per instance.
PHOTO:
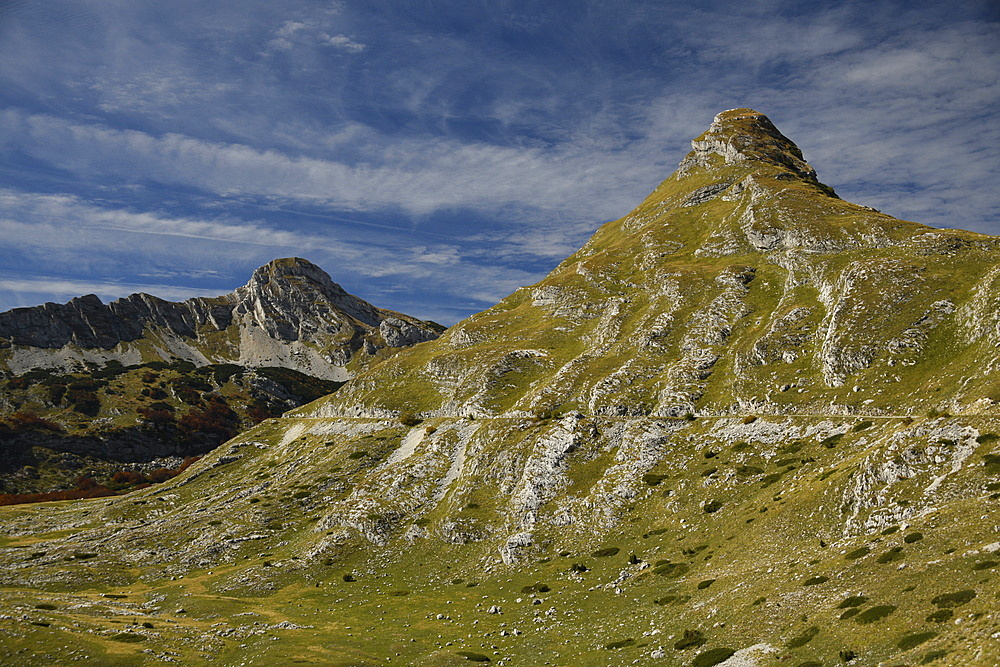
(293, 267)
(290, 313)
(741, 135)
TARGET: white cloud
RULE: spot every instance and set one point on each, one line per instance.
(419, 176)
(343, 43)
(108, 291)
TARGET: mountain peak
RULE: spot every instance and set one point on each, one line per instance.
(741, 135)
(289, 269)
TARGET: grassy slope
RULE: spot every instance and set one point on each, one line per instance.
(283, 574)
(759, 523)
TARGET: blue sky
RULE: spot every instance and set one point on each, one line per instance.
(434, 156)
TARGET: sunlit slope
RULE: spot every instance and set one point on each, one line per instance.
(740, 284)
(749, 419)
(787, 538)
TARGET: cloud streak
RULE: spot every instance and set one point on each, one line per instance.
(440, 157)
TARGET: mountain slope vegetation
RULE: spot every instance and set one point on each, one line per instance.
(747, 424)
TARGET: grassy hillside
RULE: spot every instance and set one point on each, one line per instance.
(747, 424)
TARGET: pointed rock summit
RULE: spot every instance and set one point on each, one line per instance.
(289, 314)
(747, 135)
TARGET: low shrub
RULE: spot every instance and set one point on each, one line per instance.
(605, 552)
(956, 599)
(712, 657)
(853, 601)
(691, 639)
(474, 657)
(940, 616)
(875, 614)
(803, 639)
(620, 644)
(671, 570)
(915, 639)
(407, 418)
(891, 556)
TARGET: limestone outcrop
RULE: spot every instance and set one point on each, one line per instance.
(289, 314)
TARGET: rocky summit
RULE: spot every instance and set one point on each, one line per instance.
(290, 314)
(747, 424)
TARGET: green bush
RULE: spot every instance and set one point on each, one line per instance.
(915, 639)
(605, 552)
(891, 556)
(940, 616)
(853, 601)
(474, 657)
(691, 639)
(956, 599)
(857, 553)
(875, 614)
(804, 638)
(620, 644)
(913, 537)
(702, 585)
(814, 581)
(407, 418)
(712, 657)
(671, 570)
(831, 441)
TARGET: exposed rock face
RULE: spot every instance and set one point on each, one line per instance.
(290, 314)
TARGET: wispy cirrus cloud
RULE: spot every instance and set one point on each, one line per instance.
(418, 176)
(95, 240)
(418, 153)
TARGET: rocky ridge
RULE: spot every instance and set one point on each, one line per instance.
(289, 314)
